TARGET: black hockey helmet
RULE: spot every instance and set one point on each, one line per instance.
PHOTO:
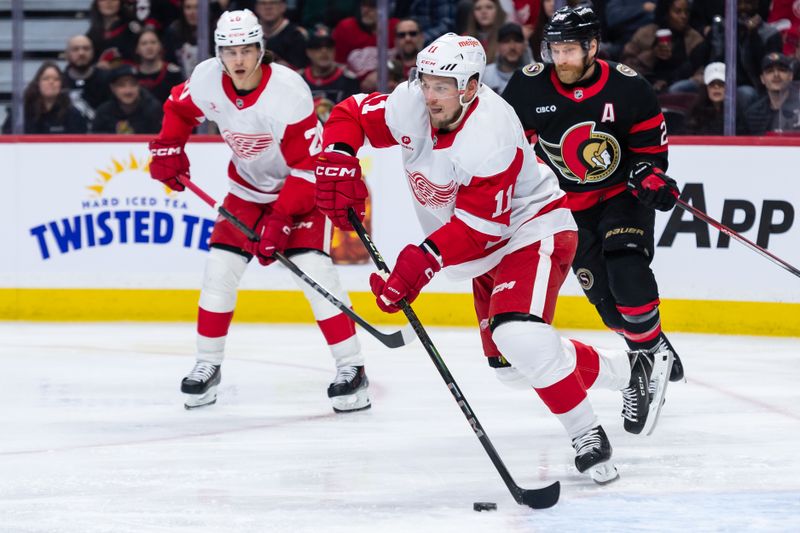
(572, 24)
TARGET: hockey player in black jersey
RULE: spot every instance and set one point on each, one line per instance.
(598, 125)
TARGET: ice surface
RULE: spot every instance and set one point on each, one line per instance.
(94, 438)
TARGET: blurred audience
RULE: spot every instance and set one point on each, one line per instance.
(778, 111)
(285, 40)
(546, 10)
(47, 107)
(707, 115)
(153, 14)
(408, 41)
(511, 49)
(131, 109)
(87, 85)
(755, 41)
(669, 52)
(155, 74)
(357, 41)
(112, 32)
(487, 17)
(436, 17)
(180, 38)
(623, 19)
(325, 78)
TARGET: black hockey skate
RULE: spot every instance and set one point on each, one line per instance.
(348, 392)
(676, 374)
(200, 385)
(593, 456)
(636, 396)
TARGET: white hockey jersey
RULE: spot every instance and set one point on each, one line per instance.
(272, 131)
(482, 178)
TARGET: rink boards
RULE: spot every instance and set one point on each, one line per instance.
(87, 235)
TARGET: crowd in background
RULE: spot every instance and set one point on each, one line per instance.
(118, 75)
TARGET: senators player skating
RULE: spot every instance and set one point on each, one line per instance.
(266, 115)
(599, 127)
(491, 214)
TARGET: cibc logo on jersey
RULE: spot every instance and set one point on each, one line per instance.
(584, 155)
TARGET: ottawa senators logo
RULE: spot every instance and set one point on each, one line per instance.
(583, 154)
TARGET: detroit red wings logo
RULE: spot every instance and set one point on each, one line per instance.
(584, 154)
(248, 146)
(430, 194)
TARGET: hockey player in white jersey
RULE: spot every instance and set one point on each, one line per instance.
(491, 213)
(265, 113)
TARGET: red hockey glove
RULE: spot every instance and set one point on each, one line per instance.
(414, 269)
(339, 187)
(652, 187)
(168, 162)
(274, 231)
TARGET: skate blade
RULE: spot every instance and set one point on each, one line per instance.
(357, 401)
(604, 473)
(193, 401)
(661, 371)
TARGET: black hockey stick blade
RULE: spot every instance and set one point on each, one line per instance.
(542, 498)
(390, 340)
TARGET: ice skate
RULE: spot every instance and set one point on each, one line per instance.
(200, 385)
(636, 396)
(593, 456)
(676, 373)
(348, 392)
(661, 363)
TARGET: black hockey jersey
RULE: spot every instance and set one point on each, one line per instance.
(592, 132)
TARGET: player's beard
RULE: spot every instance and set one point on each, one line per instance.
(444, 122)
(569, 74)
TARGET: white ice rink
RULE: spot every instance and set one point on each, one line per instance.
(94, 437)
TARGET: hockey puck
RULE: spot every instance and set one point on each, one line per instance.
(484, 506)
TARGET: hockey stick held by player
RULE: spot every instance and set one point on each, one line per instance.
(490, 213)
(652, 186)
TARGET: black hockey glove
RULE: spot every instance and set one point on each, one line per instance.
(652, 187)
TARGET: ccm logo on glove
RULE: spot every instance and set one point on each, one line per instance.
(172, 150)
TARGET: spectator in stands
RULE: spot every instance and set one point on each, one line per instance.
(676, 58)
(325, 78)
(285, 40)
(524, 13)
(180, 39)
(510, 57)
(155, 74)
(779, 110)
(707, 115)
(787, 12)
(408, 41)
(436, 17)
(756, 40)
(487, 17)
(131, 109)
(86, 84)
(154, 14)
(112, 33)
(47, 108)
(623, 19)
(356, 40)
(546, 11)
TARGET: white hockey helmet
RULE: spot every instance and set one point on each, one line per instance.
(235, 28)
(453, 56)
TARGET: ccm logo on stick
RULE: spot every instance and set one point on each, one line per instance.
(335, 172)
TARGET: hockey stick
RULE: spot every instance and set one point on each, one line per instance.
(390, 340)
(535, 498)
(730, 233)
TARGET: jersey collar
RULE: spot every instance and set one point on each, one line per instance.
(583, 90)
(243, 102)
